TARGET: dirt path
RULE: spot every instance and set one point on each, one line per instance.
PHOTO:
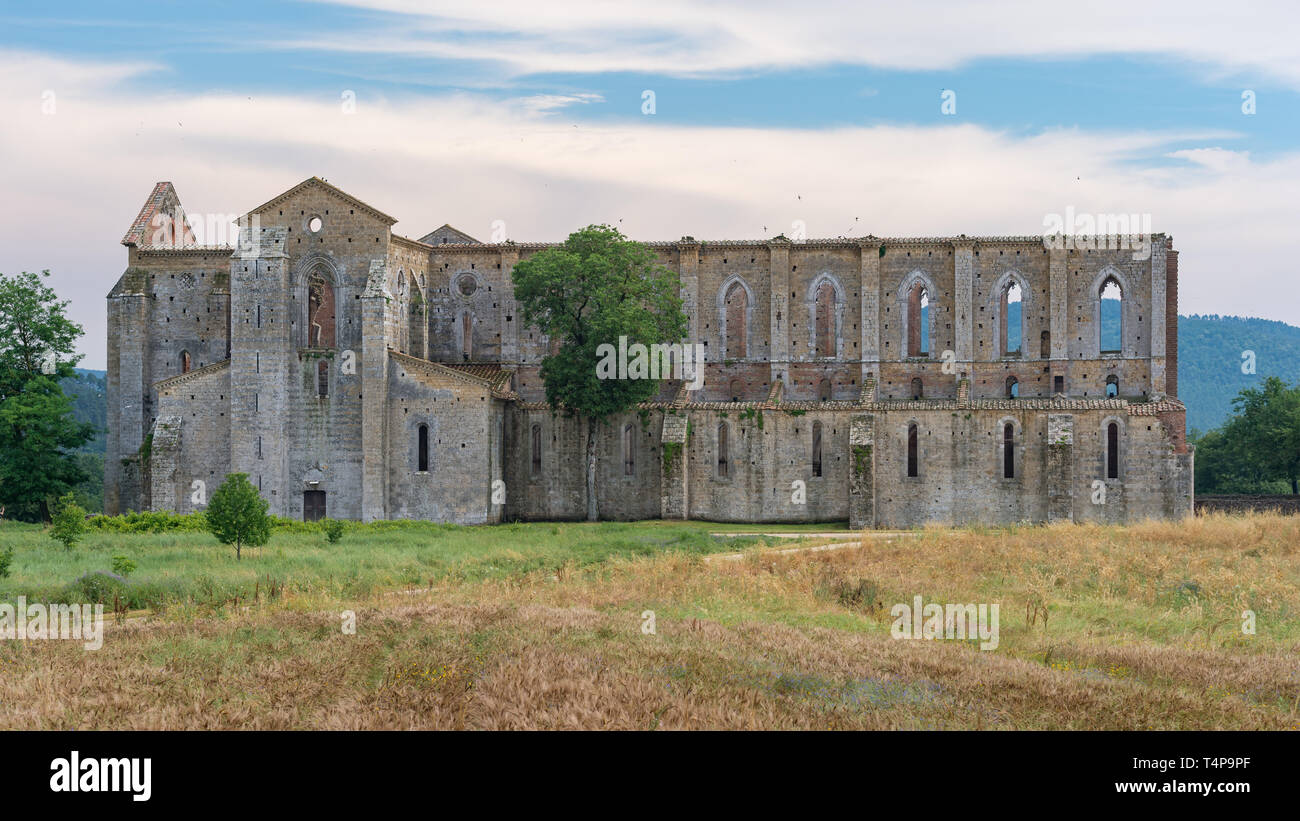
(884, 536)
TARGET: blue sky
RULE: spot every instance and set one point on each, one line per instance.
(531, 114)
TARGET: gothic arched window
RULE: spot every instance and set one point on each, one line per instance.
(737, 308)
(320, 312)
(824, 320)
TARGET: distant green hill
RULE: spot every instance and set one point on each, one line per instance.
(88, 390)
(1210, 358)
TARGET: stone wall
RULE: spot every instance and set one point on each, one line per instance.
(463, 445)
(1288, 504)
(342, 413)
(191, 438)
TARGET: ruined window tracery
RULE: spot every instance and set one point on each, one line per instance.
(320, 312)
(918, 306)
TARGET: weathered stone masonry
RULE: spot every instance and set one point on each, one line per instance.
(356, 373)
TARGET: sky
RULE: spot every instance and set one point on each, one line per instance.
(725, 120)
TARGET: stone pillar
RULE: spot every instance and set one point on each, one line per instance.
(164, 463)
(1058, 306)
(688, 277)
(508, 316)
(674, 502)
(128, 333)
(262, 357)
(132, 378)
(374, 393)
(862, 469)
(963, 303)
(779, 310)
(1171, 321)
(1156, 333)
(869, 308)
(1060, 467)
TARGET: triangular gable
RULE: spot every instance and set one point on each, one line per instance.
(446, 235)
(334, 190)
(158, 219)
(496, 381)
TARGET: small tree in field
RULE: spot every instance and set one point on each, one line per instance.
(237, 514)
(586, 293)
(332, 528)
(69, 521)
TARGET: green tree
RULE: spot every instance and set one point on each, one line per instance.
(38, 433)
(1257, 446)
(587, 292)
(69, 521)
(237, 514)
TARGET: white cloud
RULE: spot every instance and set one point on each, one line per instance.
(75, 179)
(1215, 159)
(539, 103)
(679, 37)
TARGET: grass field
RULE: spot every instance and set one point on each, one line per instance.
(540, 626)
(187, 569)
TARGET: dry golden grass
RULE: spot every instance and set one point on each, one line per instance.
(1142, 631)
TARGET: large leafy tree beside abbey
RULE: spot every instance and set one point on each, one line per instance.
(1259, 445)
(38, 433)
(587, 292)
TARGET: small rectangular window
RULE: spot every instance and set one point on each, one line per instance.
(912, 466)
(817, 449)
(537, 450)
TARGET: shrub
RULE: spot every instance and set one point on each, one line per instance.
(6, 560)
(123, 566)
(150, 522)
(332, 528)
(69, 521)
(96, 587)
